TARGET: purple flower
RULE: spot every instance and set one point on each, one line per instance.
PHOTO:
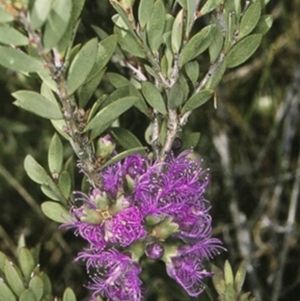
(134, 166)
(114, 276)
(146, 207)
(125, 227)
(112, 179)
(189, 272)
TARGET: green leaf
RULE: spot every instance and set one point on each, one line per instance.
(26, 263)
(106, 49)
(125, 138)
(240, 277)
(190, 140)
(210, 5)
(9, 35)
(128, 42)
(39, 175)
(13, 277)
(230, 294)
(66, 40)
(2, 261)
(82, 65)
(117, 80)
(39, 13)
(57, 22)
(197, 44)
(154, 97)
(35, 171)
(155, 26)
(216, 76)
(36, 103)
(36, 286)
(17, 60)
(123, 155)
(87, 90)
(245, 297)
(47, 286)
(218, 280)
(64, 183)
(27, 295)
(56, 212)
(5, 293)
(216, 45)
(243, 50)
(69, 295)
(192, 7)
(49, 193)
(192, 71)
(250, 19)
(144, 12)
(177, 32)
(107, 115)
(178, 93)
(117, 94)
(5, 16)
(197, 100)
(264, 24)
(228, 274)
(55, 155)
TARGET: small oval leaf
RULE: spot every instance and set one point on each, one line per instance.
(9, 35)
(216, 76)
(243, 50)
(39, 13)
(36, 286)
(154, 97)
(177, 32)
(27, 295)
(250, 19)
(5, 293)
(228, 274)
(197, 44)
(26, 263)
(110, 113)
(5, 16)
(144, 12)
(125, 138)
(64, 183)
(56, 212)
(264, 24)
(38, 104)
(55, 155)
(197, 100)
(13, 277)
(240, 277)
(17, 60)
(69, 295)
(218, 280)
(35, 171)
(82, 65)
(57, 22)
(155, 26)
(210, 5)
(47, 286)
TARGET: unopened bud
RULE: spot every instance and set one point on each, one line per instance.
(105, 147)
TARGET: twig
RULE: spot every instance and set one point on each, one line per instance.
(71, 114)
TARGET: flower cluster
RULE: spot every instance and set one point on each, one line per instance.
(146, 209)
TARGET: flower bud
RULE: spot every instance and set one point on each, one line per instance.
(105, 147)
(164, 229)
(91, 216)
(154, 250)
(99, 198)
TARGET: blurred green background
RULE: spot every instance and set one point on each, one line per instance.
(251, 143)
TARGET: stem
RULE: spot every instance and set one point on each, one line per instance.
(71, 114)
